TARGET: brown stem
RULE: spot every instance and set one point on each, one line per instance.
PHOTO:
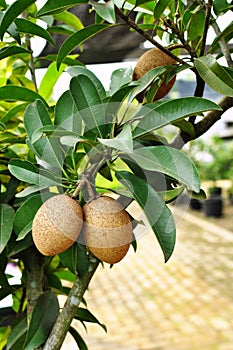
(133, 25)
(206, 26)
(63, 322)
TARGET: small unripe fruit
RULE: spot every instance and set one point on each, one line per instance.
(107, 229)
(57, 224)
(151, 59)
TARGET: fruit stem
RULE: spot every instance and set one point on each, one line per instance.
(63, 322)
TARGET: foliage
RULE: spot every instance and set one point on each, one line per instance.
(212, 160)
(90, 135)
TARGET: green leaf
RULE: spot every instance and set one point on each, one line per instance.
(158, 214)
(42, 321)
(122, 142)
(6, 224)
(12, 50)
(76, 39)
(196, 25)
(66, 114)
(105, 10)
(85, 315)
(70, 19)
(19, 93)
(46, 148)
(12, 13)
(154, 116)
(145, 81)
(89, 103)
(15, 247)
(119, 78)
(77, 337)
(3, 4)
(13, 112)
(214, 75)
(49, 80)
(169, 161)
(228, 31)
(160, 8)
(25, 214)
(26, 26)
(79, 70)
(17, 332)
(27, 172)
(53, 6)
(221, 6)
(75, 259)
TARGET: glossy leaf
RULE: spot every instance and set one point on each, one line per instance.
(76, 39)
(89, 103)
(119, 78)
(43, 318)
(154, 116)
(53, 6)
(79, 70)
(12, 50)
(105, 10)
(122, 142)
(214, 75)
(47, 148)
(15, 247)
(196, 25)
(146, 80)
(85, 315)
(70, 19)
(158, 214)
(13, 112)
(77, 337)
(28, 172)
(16, 333)
(66, 114)
(6, 224)
(160, 7)
(12, 12)
(169, 161)
(25, 214)
(3, 4)
(227, 32)
(75, 259)
(49, 80)
(26, 26)
(19, 93)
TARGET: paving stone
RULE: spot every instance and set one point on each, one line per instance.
(186, 304)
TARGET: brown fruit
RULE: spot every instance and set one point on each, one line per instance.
(108, 229)
(57, 224)
(151, 59)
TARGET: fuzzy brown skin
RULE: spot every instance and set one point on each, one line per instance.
(107, 229)
(151, 59)
(57, 224)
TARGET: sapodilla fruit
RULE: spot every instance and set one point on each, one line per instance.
(107, 229)
(57, 224)
(151, 59)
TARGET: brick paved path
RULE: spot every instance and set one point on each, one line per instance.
(185, 304)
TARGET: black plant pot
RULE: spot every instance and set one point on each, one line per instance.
(215, 191)
(195, 204)
(213, 207)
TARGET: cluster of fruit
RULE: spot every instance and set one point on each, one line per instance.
(103, 223)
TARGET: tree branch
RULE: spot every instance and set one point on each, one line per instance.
(204, 125)
(133, 25)
(62, 325)
(224, 47)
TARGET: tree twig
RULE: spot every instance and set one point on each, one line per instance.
(133, 25)
(224, 47)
